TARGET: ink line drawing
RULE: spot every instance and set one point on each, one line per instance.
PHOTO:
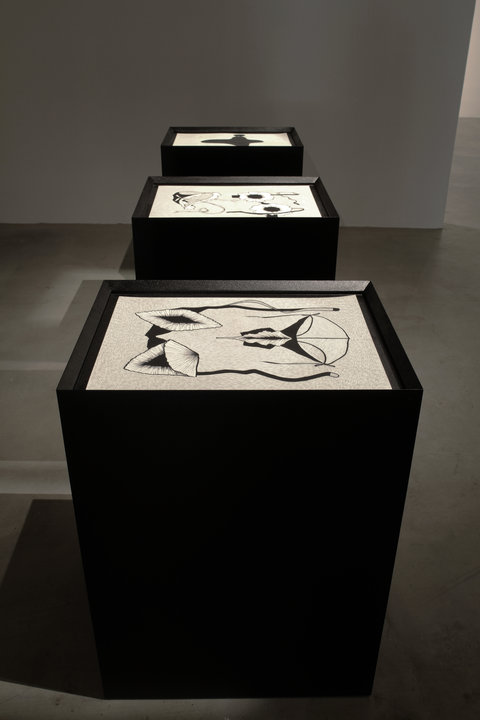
(248, 203)
(198, 202)
(295, 344)
(238, 140)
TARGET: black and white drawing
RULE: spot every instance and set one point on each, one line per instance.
(232, 139)
(250, 203)
(238, 140)
(234, 201)
(229, 343)
(246, 337)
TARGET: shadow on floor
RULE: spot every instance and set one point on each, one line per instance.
(46, 637)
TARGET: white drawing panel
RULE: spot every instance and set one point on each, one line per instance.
(231, 139)
(225, 343)
(283, 201)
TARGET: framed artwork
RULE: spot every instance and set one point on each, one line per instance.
(229, 150)
(233, 139)
(180, 343)
(255, 217)
(225, 200)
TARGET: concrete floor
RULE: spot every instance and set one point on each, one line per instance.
(429, 664)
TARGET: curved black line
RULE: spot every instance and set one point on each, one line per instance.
(263, 214)
(294, 346)
(246, 212)
(282, 311)
(346, 349)
(268, 375)
(314, 312)
(339, 326)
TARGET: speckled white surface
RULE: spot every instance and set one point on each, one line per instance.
(195, 139)
(342, 333)
(284, 201)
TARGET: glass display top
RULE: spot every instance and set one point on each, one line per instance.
(231, 139)
(283, 201)
(227, 343)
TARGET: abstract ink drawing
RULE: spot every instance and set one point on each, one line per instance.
(288, 200)
(248, 203)
(246, 337)
(238, 140)
(198, 202)
(231, 139)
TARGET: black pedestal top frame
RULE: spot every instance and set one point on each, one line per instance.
(396, 362)
(233, 159)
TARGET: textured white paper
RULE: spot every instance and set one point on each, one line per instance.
(283, 201)
(224, 343)
(231, 139)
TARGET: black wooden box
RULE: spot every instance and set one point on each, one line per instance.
(232, 151)
(253, 228)
(239, 454)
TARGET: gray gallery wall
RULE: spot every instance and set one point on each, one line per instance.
(89, 88)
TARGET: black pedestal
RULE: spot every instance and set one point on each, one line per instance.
(255, 228)
(238, 542)
(231, 151)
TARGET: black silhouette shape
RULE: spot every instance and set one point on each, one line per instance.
(237, 140)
